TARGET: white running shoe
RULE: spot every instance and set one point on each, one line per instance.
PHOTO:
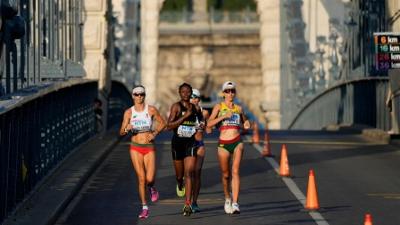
(235, 208)
(228, 206)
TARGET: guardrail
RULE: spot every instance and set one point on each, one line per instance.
(40, 40)
(213, 16)
(38, 132)
(354, 102)
(39, 129)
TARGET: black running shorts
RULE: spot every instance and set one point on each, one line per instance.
(183, 147)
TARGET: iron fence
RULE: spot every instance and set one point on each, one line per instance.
(44, 114)
(37, 134)
(213, 16)
(48, 45)
(355, 102)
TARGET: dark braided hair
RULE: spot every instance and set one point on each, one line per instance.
(185, 84)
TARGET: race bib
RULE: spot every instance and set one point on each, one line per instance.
(141, 125)
(186, 131)
(233, 120)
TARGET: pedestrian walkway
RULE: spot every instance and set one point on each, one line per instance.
(54, 193)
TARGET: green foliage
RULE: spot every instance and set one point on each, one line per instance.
(175, 5)
(225, 5)
(232, 5)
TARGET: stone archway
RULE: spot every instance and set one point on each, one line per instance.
(269, 35)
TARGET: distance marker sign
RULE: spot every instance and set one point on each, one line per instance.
(387, 51)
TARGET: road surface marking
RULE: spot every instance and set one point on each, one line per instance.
(318, 218)
(385, 195)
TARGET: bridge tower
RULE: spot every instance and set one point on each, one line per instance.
(270, 35)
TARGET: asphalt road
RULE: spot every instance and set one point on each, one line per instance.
(354, 176)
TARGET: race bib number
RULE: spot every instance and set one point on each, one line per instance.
(141, 125)
(186, 131)
(233, 120)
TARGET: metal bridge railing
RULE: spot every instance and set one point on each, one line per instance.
(355, 102)
(213, 16)
(43, 41)
(40, 130)
(37, 135)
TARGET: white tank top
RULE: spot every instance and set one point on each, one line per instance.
(141, 121)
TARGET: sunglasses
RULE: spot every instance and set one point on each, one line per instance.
(141, 94)
(233, 91)
(194, 96)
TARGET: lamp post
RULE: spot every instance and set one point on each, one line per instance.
(333, 58)
(350, 25)
(320, 72)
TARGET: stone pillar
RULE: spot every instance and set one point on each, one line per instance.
(269, 13)
(94, 44)
(200, 14)
(94, 38)
(149, 16)
(393, 8)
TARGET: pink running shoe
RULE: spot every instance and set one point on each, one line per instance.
(144, 214)
(153, 194)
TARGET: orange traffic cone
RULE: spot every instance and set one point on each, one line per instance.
(368, 219)
(256, 135)
(267, 145)
(284, 167)
(312, 196)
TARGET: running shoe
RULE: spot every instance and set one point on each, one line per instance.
(195, 208)
(235, 208)
(228, 206)
(180, 191)
(144, 214)
(187, 210)
(153, 194)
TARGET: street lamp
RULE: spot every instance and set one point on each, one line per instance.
(333, 58)
(320, 72)
(350, 24)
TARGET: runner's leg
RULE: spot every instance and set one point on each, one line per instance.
(224, 157)
(189, 163)
(237, 157)
(197, 173)
(138, 165)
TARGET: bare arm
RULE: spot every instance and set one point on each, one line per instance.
(206, 115)
(245, 120)
(200, 117)
(173, 122)
(213, 119)
(160, 120)
(199, 113)
(125, 126)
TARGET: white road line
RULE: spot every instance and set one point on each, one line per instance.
(318, 218)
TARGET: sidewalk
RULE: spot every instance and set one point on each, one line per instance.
(49, 200)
